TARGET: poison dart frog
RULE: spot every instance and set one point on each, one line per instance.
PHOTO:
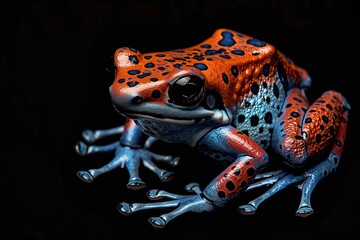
(232, 97)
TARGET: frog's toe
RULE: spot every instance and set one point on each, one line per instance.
(88, 136)
(167, 176)
(304, 211)
(247, 209)
(136, 184)
(175, 161)
(157, 222)
(85, 176)
(81, 148)
(124, 208)
(153, 194)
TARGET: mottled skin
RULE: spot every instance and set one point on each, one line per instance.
(232, 97)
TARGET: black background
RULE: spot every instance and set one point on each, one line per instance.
(55, 57)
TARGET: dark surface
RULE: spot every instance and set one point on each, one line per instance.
(54, 84)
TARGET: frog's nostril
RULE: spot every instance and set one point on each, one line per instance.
(137, 100)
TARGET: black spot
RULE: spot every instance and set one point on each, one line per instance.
(200, 58)
(268, 117)
(225, 56)
(147, 57)
(247, 104)
(121, 80)
(325, 118)
(264, 85)
(298, 137)
(254, 120)
(250, 171)
(294, 114)
(177, 65)
(133, 72)
(179, 50)
(246, 132)
(261, 130)
(212, 52)
(263, 142)
(160, 55)
(320, 101)
(329, 106)
(205, 46)
(255, 53)
(338, 143)
(255, 42)
(343, 120)
(268, 100)
(288, 105)
(154, 79)
(156, 94)
(266, 69)
(276, 91)
(297, 99)
(255, 88)
(225, 175)
(143, 75)
(318, 138)
(322, 127)
(170, 60)
(332, 130)
(237, 171)
(227, 39)
(221, 194)
(283, 76)
(282, 122)
(238, 52)
(132, 84)
(149, 65)
(241, 118)
(200, 66)
(161, 68)
(133, 59)
(335, 160)
(234, 71)
(230, 186)
(308, 120)
(225, 78)
(243, 183)
(137, 100)
(165, 73)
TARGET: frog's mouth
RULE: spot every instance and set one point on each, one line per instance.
(175, 116)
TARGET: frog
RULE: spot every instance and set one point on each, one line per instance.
(231, 97)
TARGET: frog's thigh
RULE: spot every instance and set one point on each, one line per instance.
(303, 131)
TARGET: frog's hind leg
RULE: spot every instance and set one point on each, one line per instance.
(333, 110)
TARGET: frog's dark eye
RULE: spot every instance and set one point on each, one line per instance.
(187, 91)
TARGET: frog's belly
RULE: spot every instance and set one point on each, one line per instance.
(258, 113)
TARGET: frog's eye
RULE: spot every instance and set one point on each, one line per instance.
(187, 91)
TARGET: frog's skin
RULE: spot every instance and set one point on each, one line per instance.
(232, 97)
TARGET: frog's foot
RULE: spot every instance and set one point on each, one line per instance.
(129, 158)
(304, 211)
(181, 203)
(305, 181)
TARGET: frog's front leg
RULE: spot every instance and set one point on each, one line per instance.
(302, 133)
(129, 153)
(249, 157)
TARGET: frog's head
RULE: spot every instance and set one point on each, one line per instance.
(161, 86)
(164, 87)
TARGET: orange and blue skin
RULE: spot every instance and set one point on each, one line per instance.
(295, 136)
(240, 70)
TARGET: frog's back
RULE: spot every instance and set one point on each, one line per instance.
(252, 77)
